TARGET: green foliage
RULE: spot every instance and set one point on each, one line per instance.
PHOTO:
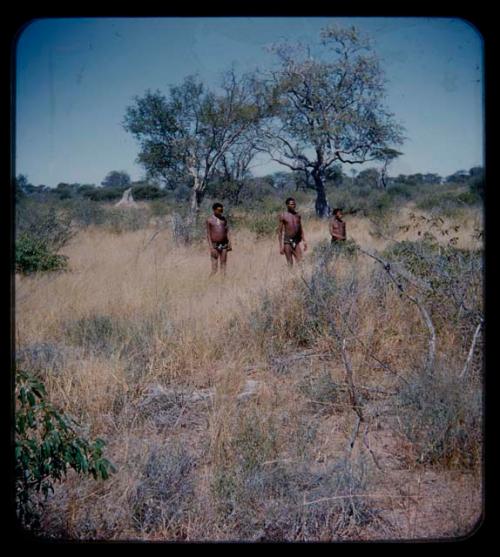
(33, 255)
(452, 276)
(47, 444)
(147, 191)
(106, 194)
(447, 201)
(265, 224)
(116, 179)
(41, 231)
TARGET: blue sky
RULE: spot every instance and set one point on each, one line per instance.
(75, 77)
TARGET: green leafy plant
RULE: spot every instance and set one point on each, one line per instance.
(47, 444)
(41, 231)
(34, 255)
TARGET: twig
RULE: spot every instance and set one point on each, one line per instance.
(350, 382)
(367, 445)
(354, 435)
(472, 348)
(362, 495)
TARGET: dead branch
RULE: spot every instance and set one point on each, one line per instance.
(350, 382)
(472, 348)
(367, 445)
(355, 431)
(362, 495)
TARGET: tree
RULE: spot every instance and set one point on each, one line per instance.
(235, 164)
(116, 179)
(190, 132)
(368, 178)
(458, 177)
(386, 155)
(326, 111)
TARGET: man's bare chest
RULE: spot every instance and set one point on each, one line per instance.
(291, 220)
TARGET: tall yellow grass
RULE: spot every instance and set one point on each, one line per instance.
(139, 276)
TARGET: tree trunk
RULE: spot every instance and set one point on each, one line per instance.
(192, 219)
(322, 207)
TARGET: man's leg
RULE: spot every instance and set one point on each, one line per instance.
(288, 254)
(214, 256)
(223, 261)
(298, 253)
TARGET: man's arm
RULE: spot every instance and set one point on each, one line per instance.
(208, 234)
(229, 246)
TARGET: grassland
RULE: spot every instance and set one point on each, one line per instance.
(269, 405)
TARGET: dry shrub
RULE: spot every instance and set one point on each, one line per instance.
(441, 414)
(164, 494)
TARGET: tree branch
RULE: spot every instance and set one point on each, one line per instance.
(472, 348)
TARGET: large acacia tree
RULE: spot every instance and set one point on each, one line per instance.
(188, 134)
(327, 107)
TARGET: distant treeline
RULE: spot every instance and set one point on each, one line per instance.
(250, 188)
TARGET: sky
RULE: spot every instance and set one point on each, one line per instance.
(74, 78)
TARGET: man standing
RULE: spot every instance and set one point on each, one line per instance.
(291, 233)
(337, 226)
(218, 238)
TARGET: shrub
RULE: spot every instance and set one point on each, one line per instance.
(47, 444)
(453, 277)
(33, 255)
(42, 356)
(41, 231)
(96, 332)
(321, 391)
(147, 191)
(121, 219)
(441, 415)
(165, 493)
(85, 212)
(106, 194)
(263, 225)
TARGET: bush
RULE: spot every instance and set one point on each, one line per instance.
(47, 444)
(121, 219)
(33, 255)
(441, 415)
(147, 191)
(41, 231)
(453, 277)
(96, 333)
(86, 213)
(321, 391)
(165, 493)
(106, 194)
(263, 225)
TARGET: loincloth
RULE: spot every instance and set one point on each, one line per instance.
(219, 246)
(292, 241)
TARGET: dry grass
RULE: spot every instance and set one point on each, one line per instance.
(134, 312)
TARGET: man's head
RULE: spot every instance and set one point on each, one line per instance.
(218, 209)
(337, 213)
(290, 204)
